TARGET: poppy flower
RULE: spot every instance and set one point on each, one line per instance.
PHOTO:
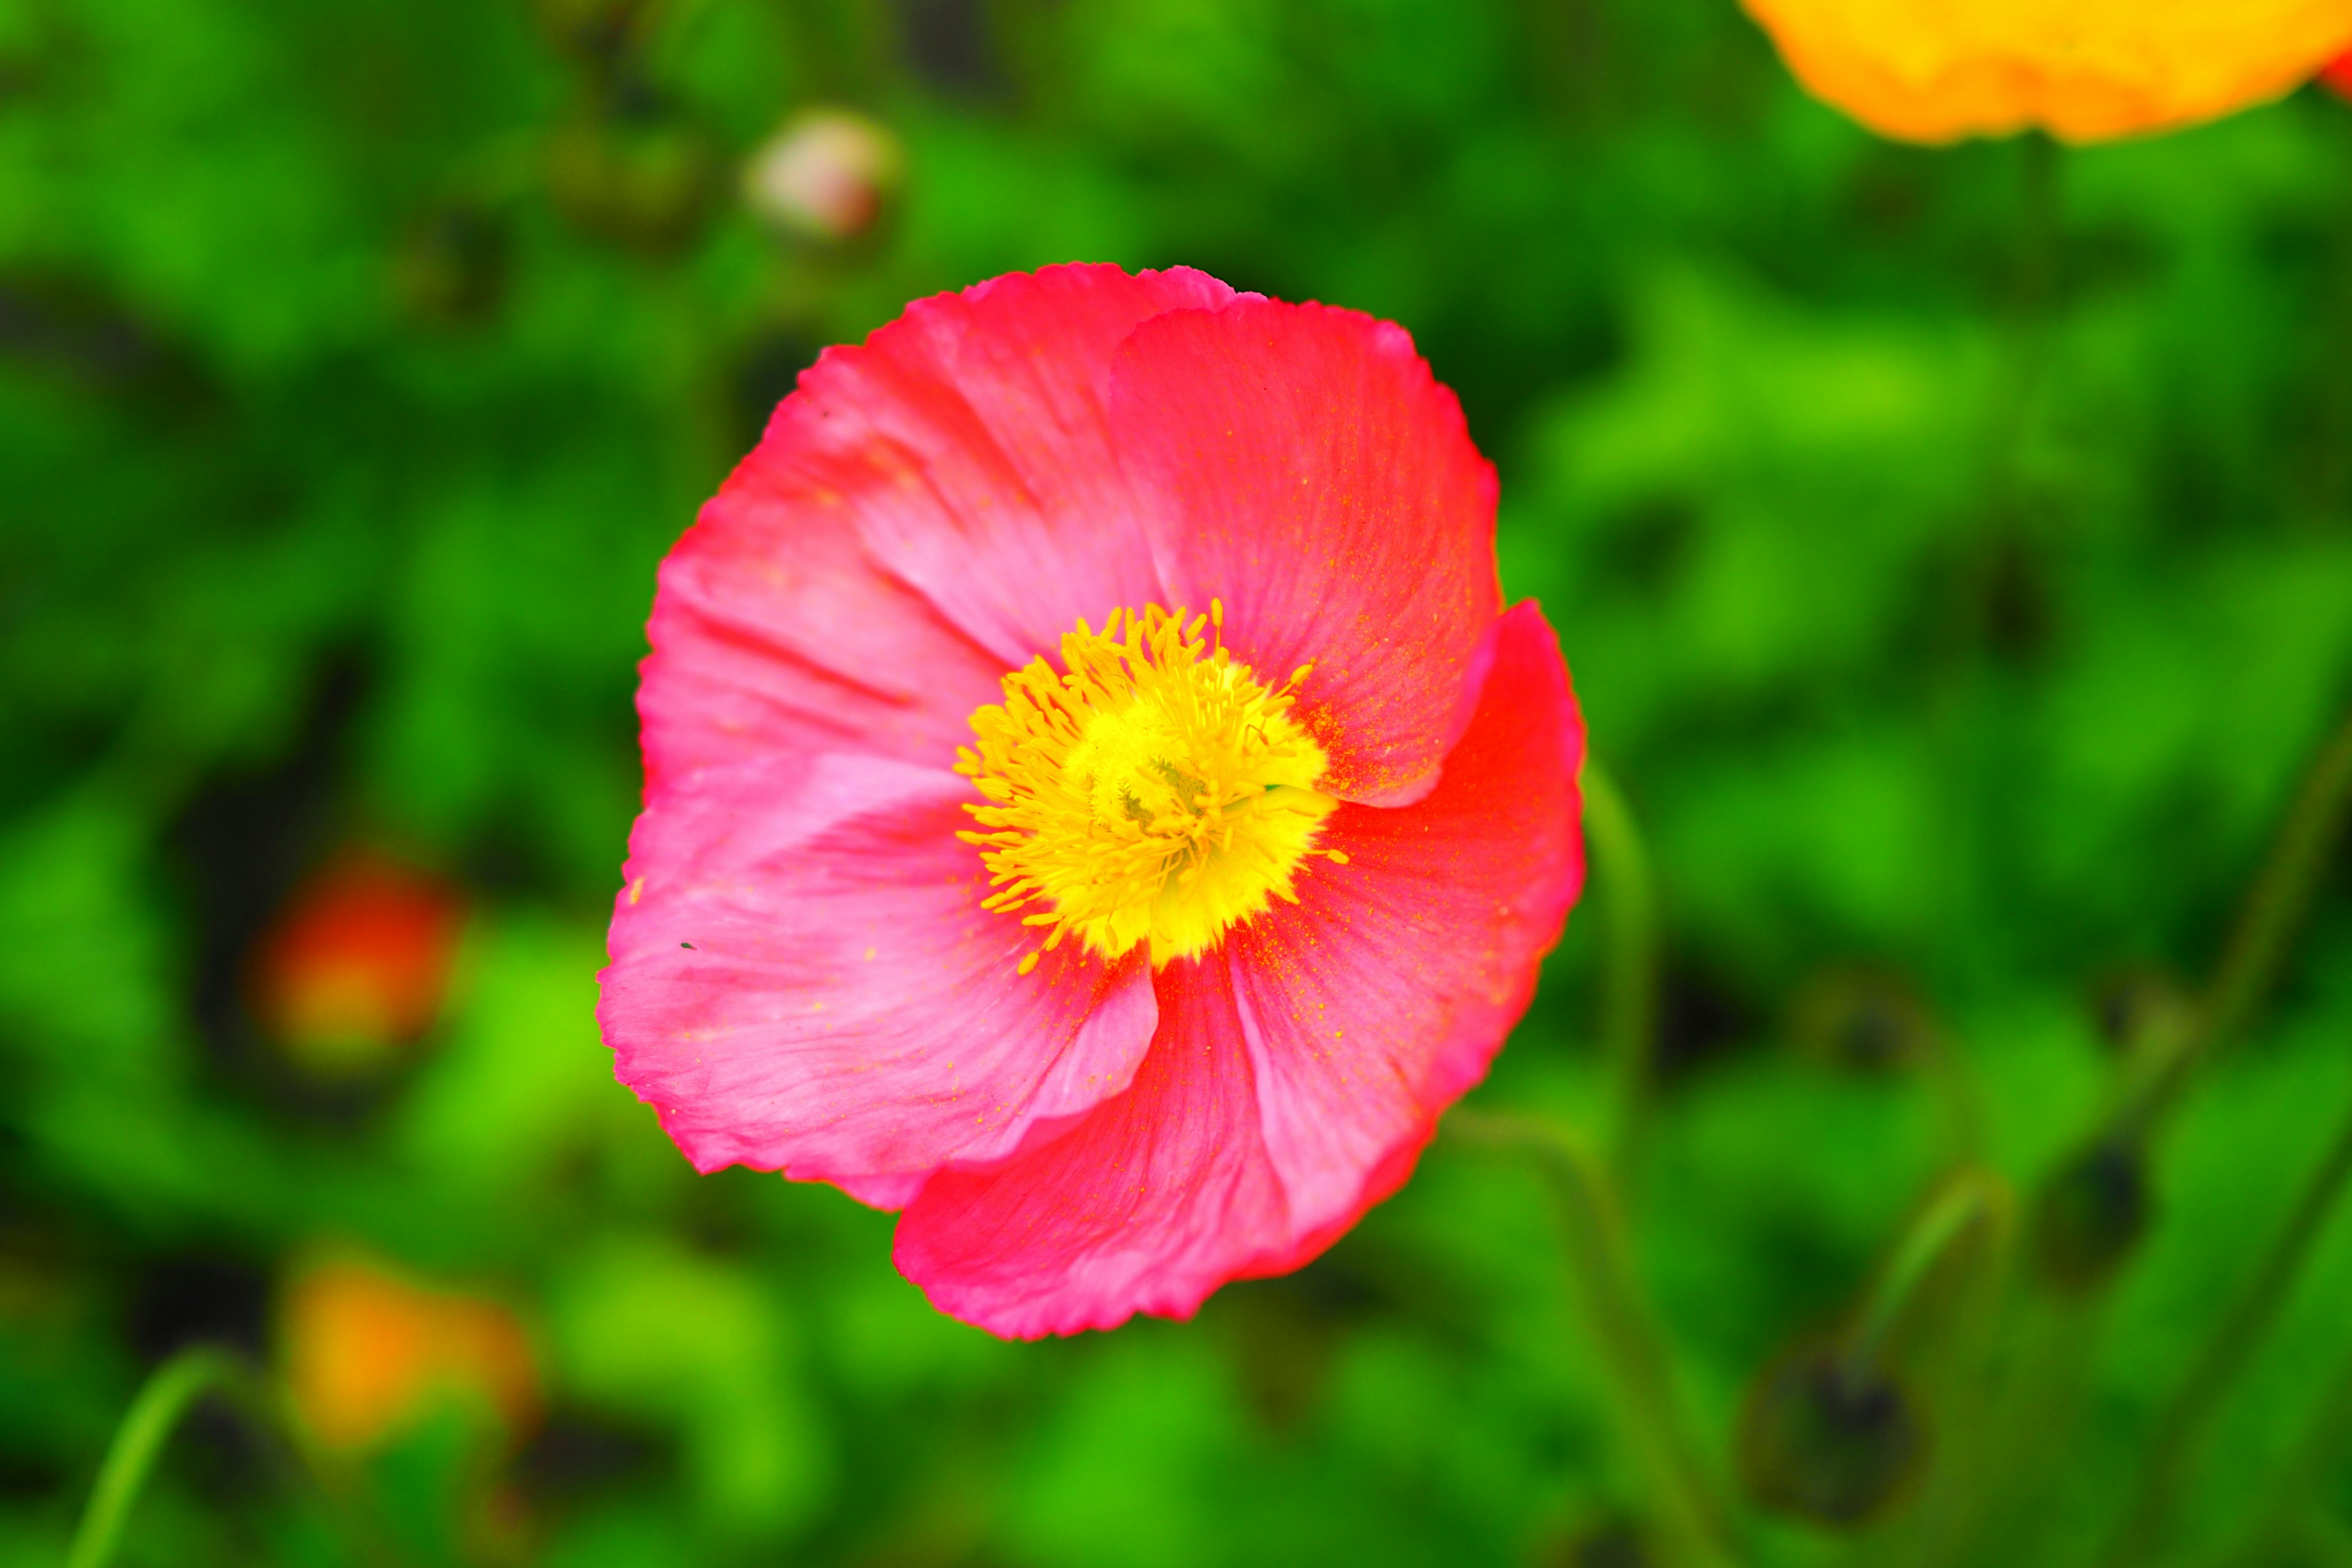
(357, 962)
(1934, 71)
(368, 1352)
(1097, 801)
(2338, 74)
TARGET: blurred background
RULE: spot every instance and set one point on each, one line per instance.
(1953, 550)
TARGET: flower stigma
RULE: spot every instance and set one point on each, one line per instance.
(1154, 790)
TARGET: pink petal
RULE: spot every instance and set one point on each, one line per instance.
(802, 979)
(1148, 1204)
(774, 634)
(1303, 466)
(1299, 1070)
(983, 415)
(1383, 995)
(929, 509)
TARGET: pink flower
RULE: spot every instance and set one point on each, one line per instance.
(1096, 799)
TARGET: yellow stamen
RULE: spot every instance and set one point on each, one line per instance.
(1152, 791)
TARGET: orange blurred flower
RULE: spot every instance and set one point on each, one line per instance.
(357, 962)
(2338, 74)
(367, 1353)
(2086, 70)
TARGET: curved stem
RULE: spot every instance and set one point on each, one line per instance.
(168, 1395)
(1633, 1352)
(1630, 979)
(2180, 1431)
(1968, 1201)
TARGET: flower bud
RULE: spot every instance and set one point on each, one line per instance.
(1862, 1021)
(357, 965)
(826, 174)
(2090, 1214)
(1828, 1438)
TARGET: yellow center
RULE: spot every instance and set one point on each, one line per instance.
(1152, 790)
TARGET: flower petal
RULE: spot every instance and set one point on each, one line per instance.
(775, 633)
(1299, 1069)
(1302, 466)
(803, 979)
(1146, 1204)
(2089, 70)
(930, 509)
(969, 443)
(1382, 996)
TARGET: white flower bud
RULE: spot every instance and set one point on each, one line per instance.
(826, 174)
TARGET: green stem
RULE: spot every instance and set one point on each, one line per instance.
(1949, 1374)
(1633, 1352)
(1630, 980)
(2265, 927)
(2043, 234)
(147, 1427)
(2283, 893)
(168, 1395)
(1966, 1202)
(2249, 965)
(2181, 1430)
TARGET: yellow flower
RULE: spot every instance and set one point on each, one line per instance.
(2086, 70)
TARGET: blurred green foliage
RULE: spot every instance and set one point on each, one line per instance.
(1953, 548)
